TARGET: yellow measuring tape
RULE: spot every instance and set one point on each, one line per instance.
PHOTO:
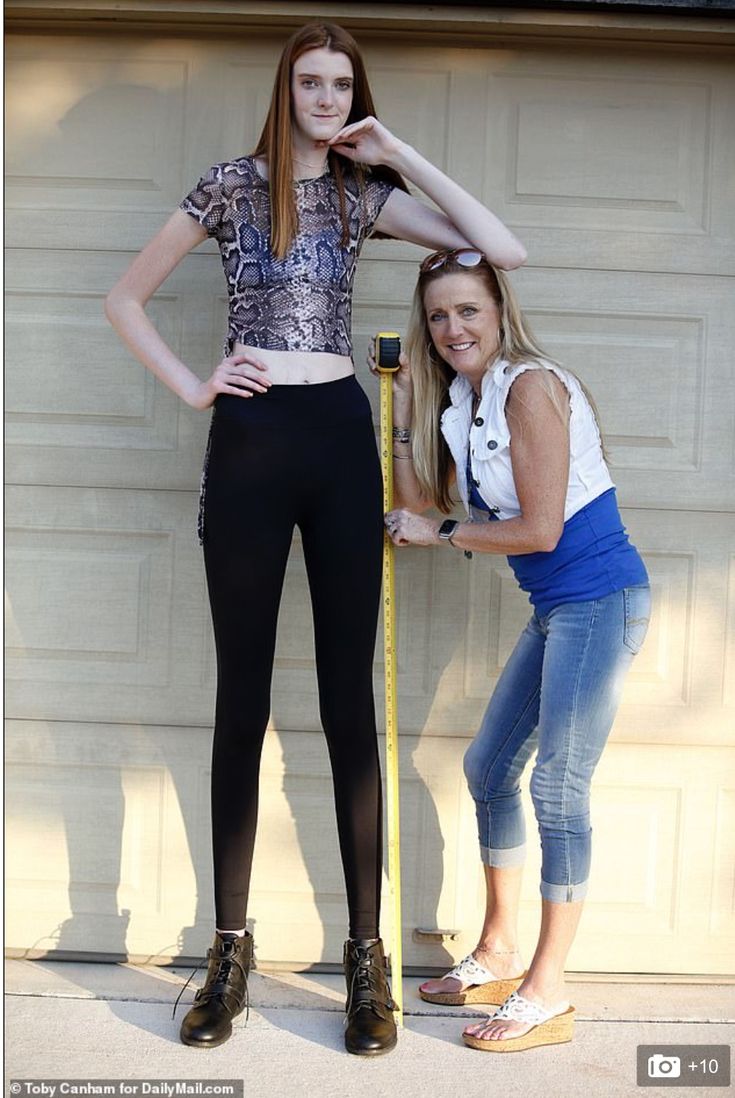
(387, 349)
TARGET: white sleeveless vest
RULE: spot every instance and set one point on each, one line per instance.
(488, 438)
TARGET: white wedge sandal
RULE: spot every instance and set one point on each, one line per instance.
(482, 985)
(552, 1027)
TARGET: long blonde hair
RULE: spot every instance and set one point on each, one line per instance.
(431, 376)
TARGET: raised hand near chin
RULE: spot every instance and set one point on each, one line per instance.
(367, 141)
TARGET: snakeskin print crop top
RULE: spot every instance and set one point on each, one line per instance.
(302, 302)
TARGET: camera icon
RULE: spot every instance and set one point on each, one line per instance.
(664, 1067)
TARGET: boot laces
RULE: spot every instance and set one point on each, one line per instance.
(364, 982)
(223, 971)
(191, 975)
(220, 977)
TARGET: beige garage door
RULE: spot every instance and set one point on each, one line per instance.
(614, 168)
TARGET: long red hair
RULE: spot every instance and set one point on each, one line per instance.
(275, 141)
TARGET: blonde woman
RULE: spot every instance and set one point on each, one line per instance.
(292, 440)
(477, 402)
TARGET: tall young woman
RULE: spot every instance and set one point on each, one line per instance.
(519, 434)
(291, 439)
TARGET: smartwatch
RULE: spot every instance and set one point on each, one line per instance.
(448, 529)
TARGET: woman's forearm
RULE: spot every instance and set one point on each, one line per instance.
(139, 335)
(406, 488)
(510, 537)
(476, 223)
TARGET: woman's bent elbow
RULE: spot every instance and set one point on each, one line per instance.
(515, 258)
(110, 306)
(115, 306)
(549, 539)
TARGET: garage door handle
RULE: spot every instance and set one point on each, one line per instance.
(426, 934)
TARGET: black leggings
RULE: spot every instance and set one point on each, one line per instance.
(299, 455)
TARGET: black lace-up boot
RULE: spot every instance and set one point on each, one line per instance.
(371, 1028)
(224, 995)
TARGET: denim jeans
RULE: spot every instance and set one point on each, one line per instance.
(558, 694)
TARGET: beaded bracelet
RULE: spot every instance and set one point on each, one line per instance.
(402, 434)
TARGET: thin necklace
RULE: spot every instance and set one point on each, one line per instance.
(307, 164)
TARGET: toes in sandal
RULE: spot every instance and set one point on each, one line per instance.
(483, 986)
(547, 1027)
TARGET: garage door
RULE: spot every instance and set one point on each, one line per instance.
(614, 168)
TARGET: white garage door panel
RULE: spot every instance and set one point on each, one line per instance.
(600, 160)
(134, 96)
(106, 605)
(134, 105)
(80, 410)
(74, 388)
(603, 127)
(660, 843)
(112, 837)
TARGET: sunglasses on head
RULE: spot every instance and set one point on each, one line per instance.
(464, 257)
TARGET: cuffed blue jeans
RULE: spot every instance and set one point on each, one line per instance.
(557, 694)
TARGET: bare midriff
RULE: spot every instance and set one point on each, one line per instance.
(299, 367)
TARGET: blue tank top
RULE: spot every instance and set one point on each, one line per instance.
(592, 559)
